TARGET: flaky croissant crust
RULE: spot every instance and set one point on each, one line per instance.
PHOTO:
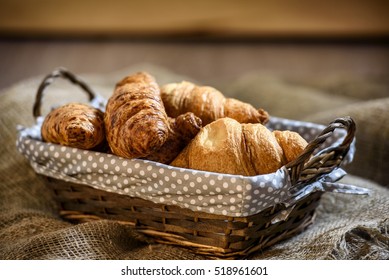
(226, 146)
(75, 125)
(135, 119)
(208, 104)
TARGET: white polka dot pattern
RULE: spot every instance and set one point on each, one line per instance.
(197, 190)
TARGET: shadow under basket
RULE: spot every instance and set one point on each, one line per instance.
(215, 236)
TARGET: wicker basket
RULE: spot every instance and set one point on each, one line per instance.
(213, 235)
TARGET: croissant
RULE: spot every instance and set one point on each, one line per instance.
(208, 104)
(226, 146)
(135, 119)
(137, 125)
(75, 125)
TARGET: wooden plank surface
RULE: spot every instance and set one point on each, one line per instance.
(216, 18)
(209, 63)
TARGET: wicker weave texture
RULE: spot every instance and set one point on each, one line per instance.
(214, 235)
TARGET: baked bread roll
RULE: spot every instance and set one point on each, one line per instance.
(137, 125)
(208, 104)
(135, 119)
(75, 125)
(226, 146)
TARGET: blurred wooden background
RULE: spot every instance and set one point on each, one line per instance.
(209, 40)
(208, 18)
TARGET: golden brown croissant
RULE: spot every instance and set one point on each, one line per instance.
(137, 125)
(226, 146)
(208, 104)
(75, 125)
(135, 119)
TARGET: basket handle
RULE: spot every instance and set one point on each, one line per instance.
(49, 79)
(307, 168)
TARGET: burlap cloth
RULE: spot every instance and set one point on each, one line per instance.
(346, 226)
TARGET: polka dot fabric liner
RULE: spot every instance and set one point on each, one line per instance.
(229, 195)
